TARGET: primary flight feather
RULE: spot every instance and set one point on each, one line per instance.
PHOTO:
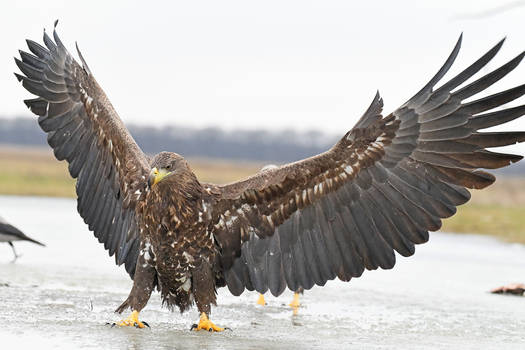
(387, 183)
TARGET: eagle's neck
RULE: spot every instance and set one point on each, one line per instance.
(176, 203)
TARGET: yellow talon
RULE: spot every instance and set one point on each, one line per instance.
(132, 320)
(206, 324)
(295, 303)
(261, 300)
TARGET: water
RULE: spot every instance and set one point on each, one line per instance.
(61, 296)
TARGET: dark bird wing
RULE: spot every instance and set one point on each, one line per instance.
(83, 128)
(7, 230)
(380, 189)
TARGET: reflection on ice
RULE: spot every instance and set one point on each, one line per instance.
(61, 296)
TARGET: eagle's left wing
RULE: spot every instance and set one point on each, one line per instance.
(84, 129)
(381, 188)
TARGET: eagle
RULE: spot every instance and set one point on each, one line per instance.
(379, 190)
(9, 233)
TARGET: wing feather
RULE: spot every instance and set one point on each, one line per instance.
(84, 129)
(382, 188)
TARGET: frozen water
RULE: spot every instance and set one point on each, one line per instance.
(61, 296)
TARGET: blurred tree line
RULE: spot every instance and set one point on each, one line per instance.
(255, 145)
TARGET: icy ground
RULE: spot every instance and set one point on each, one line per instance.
(61, 296)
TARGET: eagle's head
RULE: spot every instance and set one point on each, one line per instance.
(167, 165)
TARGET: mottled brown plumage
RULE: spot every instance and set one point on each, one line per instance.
(181, 247)
(386, 184)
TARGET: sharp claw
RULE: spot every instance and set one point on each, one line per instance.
(206, 325)
(146, 324)
(228, 328)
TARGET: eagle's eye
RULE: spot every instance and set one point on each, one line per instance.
(168, 167)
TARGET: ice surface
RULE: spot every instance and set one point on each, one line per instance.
(61, 296)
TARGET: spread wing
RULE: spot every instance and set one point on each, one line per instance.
(83, 128)
(380, 189)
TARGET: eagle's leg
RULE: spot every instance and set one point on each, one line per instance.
(143, 284)
(295, 301)
(295, 304)
(261, 300)
(203, 287)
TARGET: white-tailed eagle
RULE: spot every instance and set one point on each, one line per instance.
(387, 183)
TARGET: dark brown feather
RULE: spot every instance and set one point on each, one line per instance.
(381, 188)
(84, 129)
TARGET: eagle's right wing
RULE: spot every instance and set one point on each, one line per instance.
(84, 129)
(380, 189)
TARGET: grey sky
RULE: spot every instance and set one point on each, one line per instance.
(268, 64)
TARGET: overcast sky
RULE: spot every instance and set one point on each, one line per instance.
(267, 64)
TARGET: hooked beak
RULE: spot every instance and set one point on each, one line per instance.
(155, 176)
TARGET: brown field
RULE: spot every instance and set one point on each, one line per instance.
(35, 171)
(498, 210)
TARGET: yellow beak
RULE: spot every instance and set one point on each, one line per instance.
(156, 175)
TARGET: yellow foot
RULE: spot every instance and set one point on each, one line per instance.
(132, 320)
(261, 300)
(206, 324)
(295, 302)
